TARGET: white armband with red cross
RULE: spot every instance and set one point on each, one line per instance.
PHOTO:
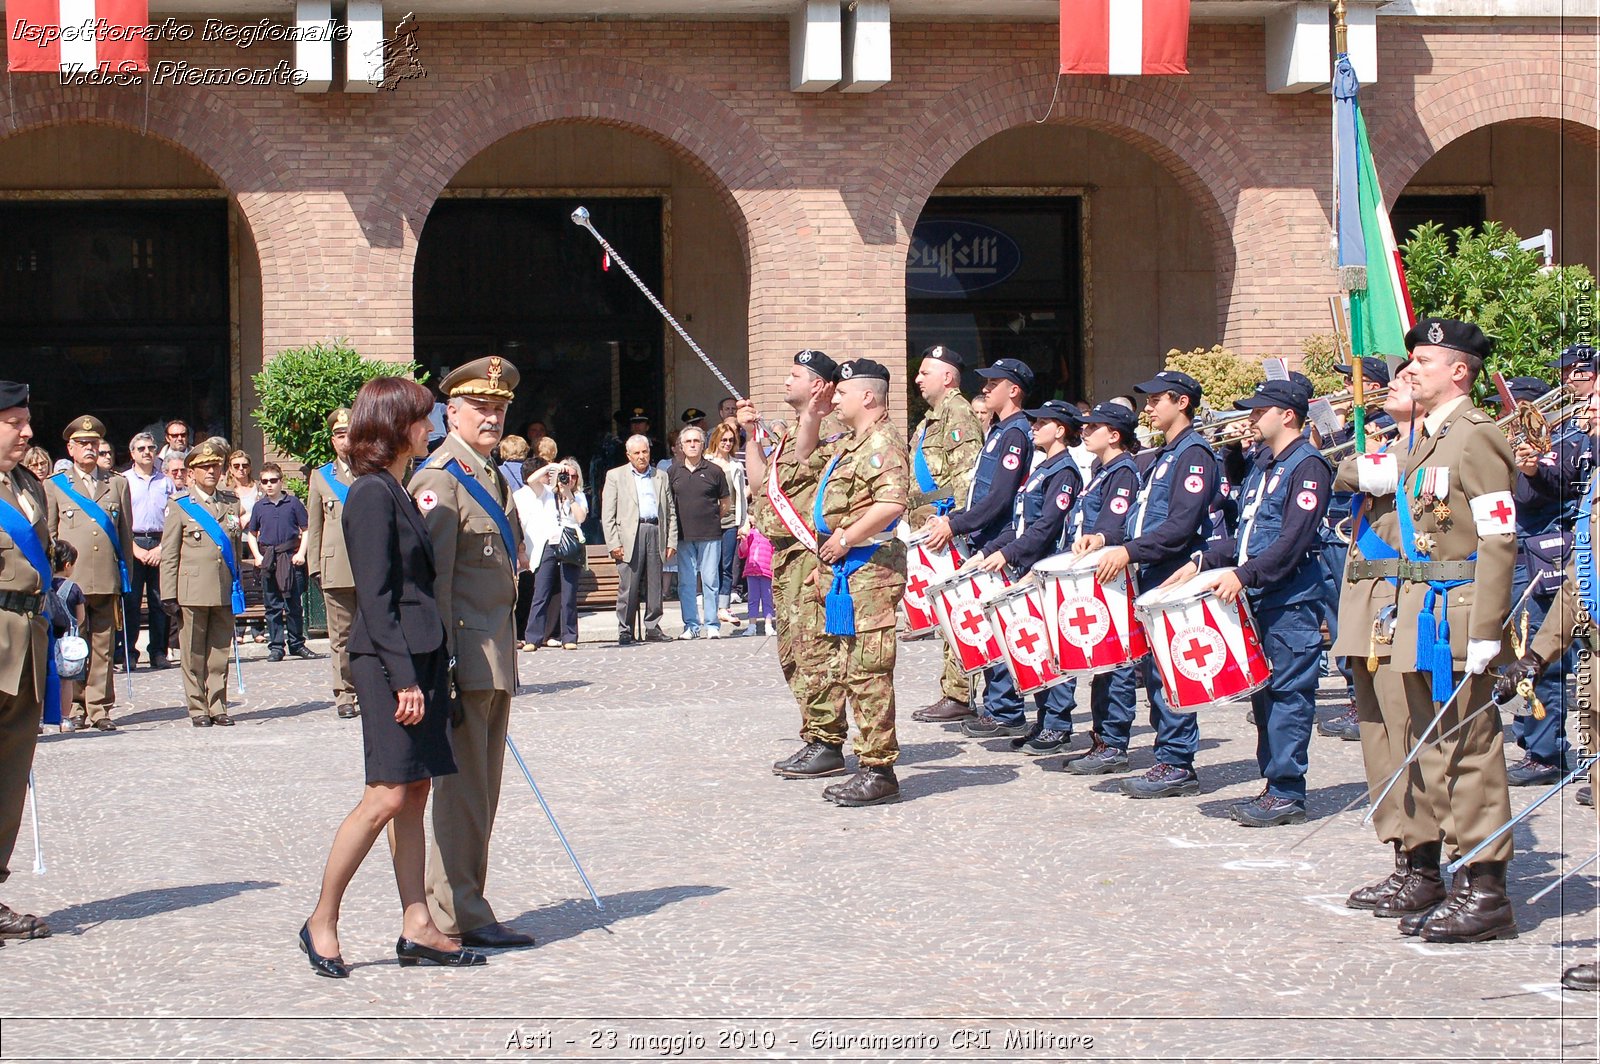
(1377, 474)
(1495, 514)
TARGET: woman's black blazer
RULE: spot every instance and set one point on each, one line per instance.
(391, 558)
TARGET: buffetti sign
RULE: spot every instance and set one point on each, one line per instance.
(950, 257)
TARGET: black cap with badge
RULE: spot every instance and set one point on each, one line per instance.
(1286, 395)
(1522, 389)
(947, 355)
(1171, 380)
(1460, 336)
(1373, 371)
(13, 393)
(863, 368)
(1057, 410)
(1576, 355)
(1116, 416)
(1014, 370)
(819, 363)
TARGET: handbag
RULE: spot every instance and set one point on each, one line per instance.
(571, 550)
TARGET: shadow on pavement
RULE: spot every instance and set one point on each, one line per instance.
(572, 917)
(78, 919)
(930, 781)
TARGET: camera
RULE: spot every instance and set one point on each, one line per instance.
(564, 477)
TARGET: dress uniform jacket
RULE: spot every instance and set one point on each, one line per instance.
(23, 638)
(97, 571)
(477, 576)
(326, 556)
(193, 571)
(949, 440)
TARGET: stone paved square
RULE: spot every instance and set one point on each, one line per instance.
(997, 912)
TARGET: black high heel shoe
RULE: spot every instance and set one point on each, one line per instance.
(411, 953)
(332, 967)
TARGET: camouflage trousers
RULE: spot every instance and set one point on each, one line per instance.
(954, 682)
(800, 623)
(861, 671)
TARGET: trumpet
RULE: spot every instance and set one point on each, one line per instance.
(1530, 422)
(1373, 435)
(1223, 429)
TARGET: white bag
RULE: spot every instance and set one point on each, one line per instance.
(72, 655)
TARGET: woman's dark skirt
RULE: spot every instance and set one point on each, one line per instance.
(404, 753)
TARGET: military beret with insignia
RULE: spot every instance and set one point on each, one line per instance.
(948, 355)
(863, 369)
(1460, 336)
(13, 393)
(819, 363)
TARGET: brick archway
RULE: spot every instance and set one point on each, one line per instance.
(1156, 115)
(761, 197)
(1544, 91)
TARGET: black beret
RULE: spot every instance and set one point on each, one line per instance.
(1460, 336)
(863, 368)
(819, 363)
(946, 354)
(13, 394)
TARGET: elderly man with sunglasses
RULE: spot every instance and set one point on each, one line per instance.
(149, 491)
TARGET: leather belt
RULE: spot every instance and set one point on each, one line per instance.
(649, 520)
(29, 605)
(137, 536)
(1409, 571)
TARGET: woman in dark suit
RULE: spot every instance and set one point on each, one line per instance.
(400, 668)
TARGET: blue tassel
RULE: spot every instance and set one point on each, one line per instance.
(1443, 667)
(1425, 639)
(839, 606)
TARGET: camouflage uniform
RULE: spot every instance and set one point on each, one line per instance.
(873, 466)
(951, 442)
(799, 620)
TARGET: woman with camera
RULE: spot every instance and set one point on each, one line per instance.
(552, 508)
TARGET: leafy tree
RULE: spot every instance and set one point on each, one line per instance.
(1318, 355)
(1223, 375)
(300, 386)
(1531, 312)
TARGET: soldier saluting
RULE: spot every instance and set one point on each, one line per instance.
(90, 509)
(329, 557)
(467, 508)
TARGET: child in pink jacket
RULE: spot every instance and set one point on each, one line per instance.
(756, 550)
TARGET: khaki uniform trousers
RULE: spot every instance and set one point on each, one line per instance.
(19, 734)
(1404, 817)
(341, 608)
(1463, 778)
(464, 807)
(97, 693)
(205, 637)
(954, 682)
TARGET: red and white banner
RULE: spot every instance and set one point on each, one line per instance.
(47, 36)
(1124, 36)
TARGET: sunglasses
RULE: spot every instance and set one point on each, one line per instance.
(144, 447)
(270, 480)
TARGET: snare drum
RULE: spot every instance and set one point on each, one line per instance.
(924, 568)
(1093, 626)
(957, 603)
(1016, 614)
(1206, 650)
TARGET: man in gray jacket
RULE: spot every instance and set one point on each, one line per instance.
(641, 530)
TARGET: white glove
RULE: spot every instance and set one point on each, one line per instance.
(1479, 653)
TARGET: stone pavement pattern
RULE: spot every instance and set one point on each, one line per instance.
(997, 895)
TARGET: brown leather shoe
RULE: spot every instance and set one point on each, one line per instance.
(872, 785)
(1581, 977)
(21, 925)
(1411, 924)
(1420, 891)
(1369, 896)
(1484, 913)
(943, 711)
(104, 724)
(222, 720)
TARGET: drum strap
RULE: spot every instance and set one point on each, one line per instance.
(839, 606)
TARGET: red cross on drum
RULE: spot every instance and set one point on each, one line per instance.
(1016, 614)
(1092, 625)
(1206, 651)
(957, 605)
(925, 567)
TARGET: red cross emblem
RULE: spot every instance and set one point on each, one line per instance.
(917, 584)
(1027, 640)
(1197, 654)
(1083, 620)
(973, 624)
(1502, 512)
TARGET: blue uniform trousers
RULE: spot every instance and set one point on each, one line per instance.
(1177, 734)
(1544, 740)
(1111, 702)
(1286, 708)
(1002, 702)
(1333, 558)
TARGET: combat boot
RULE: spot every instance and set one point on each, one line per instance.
(1163, 781)
(1369, 896)
(1484, 914)
(872, 785)
(1411, 925)
(1420, 890)
(1099, 760)
(1581, 977)
(779, 766)
(816, 760)
(943, 711)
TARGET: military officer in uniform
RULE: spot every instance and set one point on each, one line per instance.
(467, 507)
(863, 484)
(1457, 525)
(1276, 562)
(24, 583)
(330, 559)
(1003, 465)
(1405, 819)
(1167, 524)
(785, 488)
(944, 450)
(200, 574)
(90, 509)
